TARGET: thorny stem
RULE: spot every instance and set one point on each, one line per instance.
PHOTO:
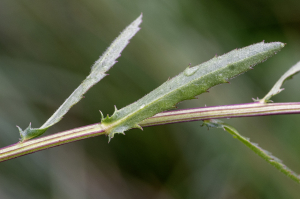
(169, 117)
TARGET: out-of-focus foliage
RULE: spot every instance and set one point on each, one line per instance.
(48, 47)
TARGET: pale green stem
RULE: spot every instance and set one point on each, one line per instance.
(204, 113)
(227, 111)
(31, 146)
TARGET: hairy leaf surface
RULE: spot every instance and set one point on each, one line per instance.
(98, 72)
(193, 81)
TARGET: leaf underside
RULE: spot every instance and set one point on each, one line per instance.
(188, 84)
(266, 155)
(98, 72)
(277, 86)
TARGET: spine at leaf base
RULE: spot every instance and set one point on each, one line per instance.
(191, 82)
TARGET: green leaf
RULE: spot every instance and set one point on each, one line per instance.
(98, 71)
(277, 163)
(193, 81)
(277, 87)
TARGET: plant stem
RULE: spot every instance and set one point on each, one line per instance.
(226, 111)
(184, 115)
(31, 146)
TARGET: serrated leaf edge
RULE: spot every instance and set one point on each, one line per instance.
(113, 124)
(266, 155)
(103, 64)
(276, 89)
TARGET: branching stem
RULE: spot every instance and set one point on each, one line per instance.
(169, 117)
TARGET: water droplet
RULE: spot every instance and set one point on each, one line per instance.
(142, 106)
(190, 71)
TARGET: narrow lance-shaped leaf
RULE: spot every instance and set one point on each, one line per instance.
(254, 147)
(277, 87)
(98, 71)
(193, 81)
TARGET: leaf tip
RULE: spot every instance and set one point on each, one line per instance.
(138, 126)
(112, 134)
(102, 116)
(116, 109)
(24, 133)
(255, 100)
(109, 138)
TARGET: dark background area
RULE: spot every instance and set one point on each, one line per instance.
(48, 47)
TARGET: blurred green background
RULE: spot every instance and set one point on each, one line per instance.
(47, 49)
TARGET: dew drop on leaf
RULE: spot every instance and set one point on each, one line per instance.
(191, 71)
